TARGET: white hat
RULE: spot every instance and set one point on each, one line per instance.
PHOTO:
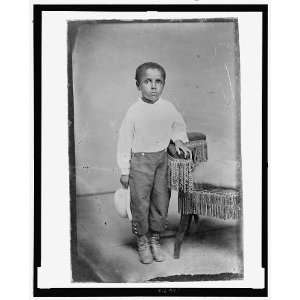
(122, 203)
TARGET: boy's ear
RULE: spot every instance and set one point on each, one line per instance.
(137, 85)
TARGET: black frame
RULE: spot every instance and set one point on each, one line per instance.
(111, 292)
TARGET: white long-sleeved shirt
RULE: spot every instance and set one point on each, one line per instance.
(148, 127)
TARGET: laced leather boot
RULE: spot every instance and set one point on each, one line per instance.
(157, 253)
(144, 250)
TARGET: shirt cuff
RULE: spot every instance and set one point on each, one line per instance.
(183, 137)
(125, 171)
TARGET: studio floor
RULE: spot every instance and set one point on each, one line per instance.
(212, 249)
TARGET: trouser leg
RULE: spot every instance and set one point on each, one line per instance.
(140, 181)
(160, 196)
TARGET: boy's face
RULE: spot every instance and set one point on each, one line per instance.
(151, 85)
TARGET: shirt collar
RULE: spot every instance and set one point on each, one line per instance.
(159, 100)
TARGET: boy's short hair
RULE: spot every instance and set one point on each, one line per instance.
(149, 65)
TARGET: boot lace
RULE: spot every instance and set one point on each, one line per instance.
(142, 244)
(155, 240)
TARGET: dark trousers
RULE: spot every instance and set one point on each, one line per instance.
(149, 193)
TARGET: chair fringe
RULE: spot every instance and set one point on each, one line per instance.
(223, 205)
(180, 174)
(200, 199)
(180, 170)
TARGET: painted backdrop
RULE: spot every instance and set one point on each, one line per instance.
(202, 65)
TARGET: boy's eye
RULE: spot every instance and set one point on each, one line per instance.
(148, 81)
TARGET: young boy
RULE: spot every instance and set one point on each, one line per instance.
(144, 136)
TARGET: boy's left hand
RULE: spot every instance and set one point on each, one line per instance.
(180, 146)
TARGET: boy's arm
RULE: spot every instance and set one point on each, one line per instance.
(179, 135)
(124, 145)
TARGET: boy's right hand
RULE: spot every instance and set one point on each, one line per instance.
(124, 179)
